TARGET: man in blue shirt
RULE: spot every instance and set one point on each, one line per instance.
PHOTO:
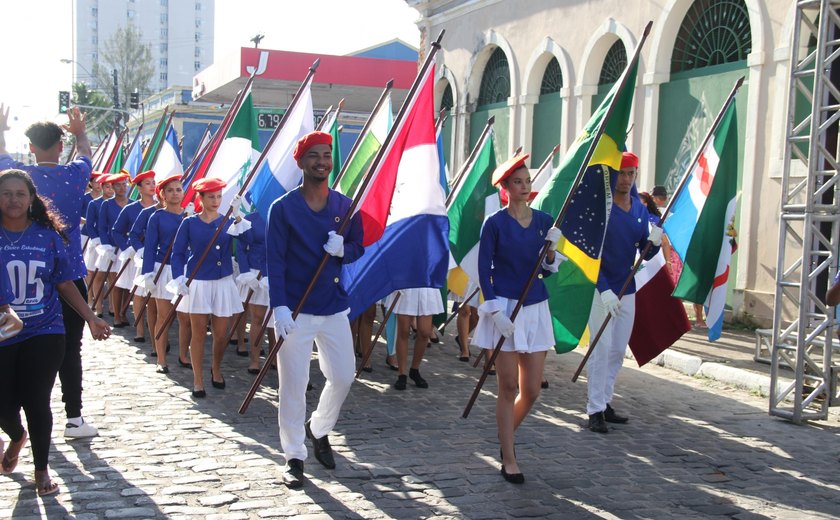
(626, 236)
(302, 225)
(64, 185)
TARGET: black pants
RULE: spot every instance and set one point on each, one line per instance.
(70, 372)
(27, 376)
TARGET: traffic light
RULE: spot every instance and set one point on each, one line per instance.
(134, 100)
(63, 101)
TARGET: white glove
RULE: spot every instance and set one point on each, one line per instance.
(554, 235)
(138, 256)
(503, 323)
(106, 256)
(611, 302)
(236, 207)
(178, 286)
(655, 235)
(189, 210)
(284, 324)
(335, 244)
(249, 279)
(145, 281)
(237, 228)
(264, 283)
(553, 267)
(125, 254)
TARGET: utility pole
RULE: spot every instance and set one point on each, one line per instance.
(118, 116)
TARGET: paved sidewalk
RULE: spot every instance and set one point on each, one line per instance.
(694, 448)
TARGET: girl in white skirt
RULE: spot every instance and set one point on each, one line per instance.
(422, 303)
(91, 229)
(253, 279)
(108, 262)
(160, 233)
(212, 292)
(511, 241)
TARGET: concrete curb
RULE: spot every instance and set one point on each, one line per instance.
(694, 366)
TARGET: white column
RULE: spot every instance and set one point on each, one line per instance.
(650, 123)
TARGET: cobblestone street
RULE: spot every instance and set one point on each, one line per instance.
(694, 448)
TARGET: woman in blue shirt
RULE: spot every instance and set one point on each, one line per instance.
(511, 241)
(39, 269)
(108, 262)
(159, 234)
(212, 292)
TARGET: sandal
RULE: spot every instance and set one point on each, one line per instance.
(10, 463)
(45, 486)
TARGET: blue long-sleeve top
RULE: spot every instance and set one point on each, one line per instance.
(126, 218)
(506, 256)
(626, 236)
(91, 227)
(86, 198)
(294, 239)
(108, 214)
(160, 231)
(137, 233)
(190, 241)
(250, 251)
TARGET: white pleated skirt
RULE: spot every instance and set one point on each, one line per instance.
(260, 296)
(126, 280)
(422, 301)
(90, 254)
(216, 297)
(532, 333)
(160, 292)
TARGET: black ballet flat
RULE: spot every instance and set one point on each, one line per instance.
(184, 364)
(513, 478)
(162, 370)
(120, 325)
(139, 339)
(254, 371)
(217, 384)
(241, 353)
(198, 394)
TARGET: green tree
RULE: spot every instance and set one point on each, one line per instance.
(126, 53)
(99, 122)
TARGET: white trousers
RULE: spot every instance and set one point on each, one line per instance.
(608, 356)
(335, 355)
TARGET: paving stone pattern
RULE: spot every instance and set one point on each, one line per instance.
(694, 448)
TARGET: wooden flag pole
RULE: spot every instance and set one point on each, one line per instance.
(385, 318)
(348, 215)
(545, 163)
(364, 131)
(470, 160)
(243, 188)
(544, 251)
(646, 250)
(452, 316)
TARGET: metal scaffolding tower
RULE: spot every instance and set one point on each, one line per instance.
(809, 227)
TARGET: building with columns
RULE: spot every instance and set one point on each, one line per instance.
(542, 67)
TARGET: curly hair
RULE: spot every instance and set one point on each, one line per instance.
(41, 211)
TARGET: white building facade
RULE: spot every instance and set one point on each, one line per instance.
(180, 33)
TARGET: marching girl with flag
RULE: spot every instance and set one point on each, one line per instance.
(511, 239)
(212, 292)
(159, 233)
(91, 230)
(39, 267)
(137, 239)
(129, 215)
(250, 253)
(107, 262)
(94, 191)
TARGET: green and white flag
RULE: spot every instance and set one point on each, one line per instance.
(366, 151)
(237, 153)
(474, 199)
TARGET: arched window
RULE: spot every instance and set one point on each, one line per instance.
(713, 32)
(552, 80)
(446, 101)
(614, 64)
(495, 83)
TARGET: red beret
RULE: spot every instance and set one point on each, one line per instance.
(96, 177)
(309, 140)
(506, 168)
(163, 182)
(209, 184)
(629, 160)
(114, 177)
(140, 177)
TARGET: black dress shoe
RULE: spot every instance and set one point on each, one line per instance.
(217, 384)
(401, 383)
(293, 473)
(612, 417)
(321, 448)
(254, 371)
(597, 423)
(184, 363)
(513, 478)
(392, 367)
(139, 339)
(198, 394)
(415, 376)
